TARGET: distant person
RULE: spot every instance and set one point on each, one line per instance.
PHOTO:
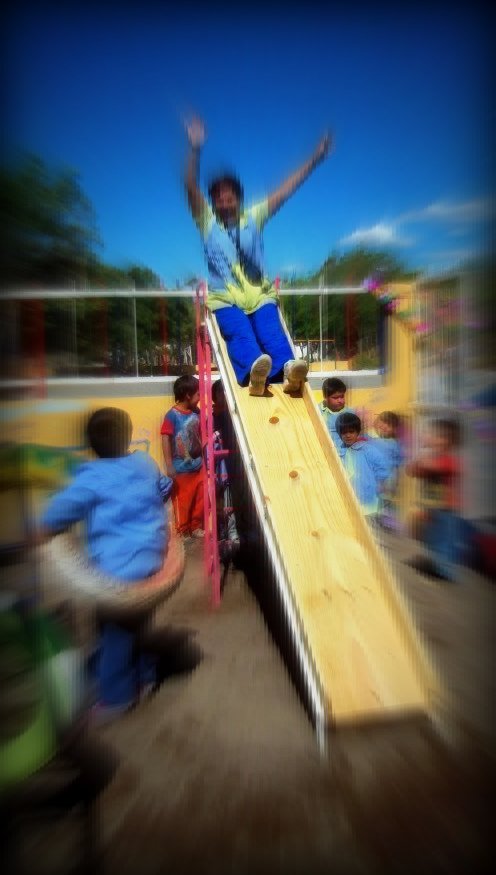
(387, 428)
(447, 536)
(243, 299)
(332, 405)
(366, 466)
(181, 446)
(120, 497)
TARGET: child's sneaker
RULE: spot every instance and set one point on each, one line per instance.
(198, 533)
(295, 374)
(260, 370)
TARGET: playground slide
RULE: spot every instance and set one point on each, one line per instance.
(359, 649)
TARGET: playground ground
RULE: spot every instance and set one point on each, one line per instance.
(220, 771)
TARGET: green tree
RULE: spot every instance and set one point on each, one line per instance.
(349, 269)
(49, 226)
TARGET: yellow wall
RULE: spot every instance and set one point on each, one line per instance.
(58, 423)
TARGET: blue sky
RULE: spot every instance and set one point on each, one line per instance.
(405, 91)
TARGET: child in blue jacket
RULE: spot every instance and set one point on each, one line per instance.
(120, 498)
(387, 428)
(367, 467)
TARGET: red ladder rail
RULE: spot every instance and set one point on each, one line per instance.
(204, 358)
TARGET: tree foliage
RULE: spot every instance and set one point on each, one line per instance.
(340, 313)
(49, 229)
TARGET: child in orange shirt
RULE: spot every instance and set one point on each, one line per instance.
(446, 534)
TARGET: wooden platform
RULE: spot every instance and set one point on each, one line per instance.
(362, 650)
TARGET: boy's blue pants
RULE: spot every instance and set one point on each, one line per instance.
(116, 669)
(248, 336)
(449, 539)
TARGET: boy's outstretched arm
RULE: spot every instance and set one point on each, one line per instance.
(278, 197)
(195, 131)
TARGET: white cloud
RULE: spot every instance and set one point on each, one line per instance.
(475, 210)
(381, 234)
(454, 215)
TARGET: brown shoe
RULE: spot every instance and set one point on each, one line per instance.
(260, 370)
(295, 374)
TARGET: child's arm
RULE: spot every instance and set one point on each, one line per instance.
(196, 137)
(380, 465)
(64, 510)
(278, 197)
(165, 485)
(167, 451)
(423, 466)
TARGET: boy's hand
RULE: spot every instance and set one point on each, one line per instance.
(195, 130)
(323, 148)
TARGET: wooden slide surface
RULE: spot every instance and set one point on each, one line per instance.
(359, 640)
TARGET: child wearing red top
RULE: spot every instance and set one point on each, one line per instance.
(446, 534)
(181, 446)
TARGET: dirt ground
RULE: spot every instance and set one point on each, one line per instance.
(220, 771)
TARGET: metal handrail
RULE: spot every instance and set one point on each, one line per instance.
(94, 294)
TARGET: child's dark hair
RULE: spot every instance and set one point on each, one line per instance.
(217, 390)
(331, 385)
(348, 422)
(390, 418)
(109, 432)
(184, 386)
(449, 429)
(225, 179)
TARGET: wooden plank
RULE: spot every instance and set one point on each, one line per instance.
(368, 657)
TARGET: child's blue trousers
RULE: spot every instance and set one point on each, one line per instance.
(116, 666)
(248, 336)
(449, 538)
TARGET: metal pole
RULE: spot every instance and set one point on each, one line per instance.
(320, 339)
(74, 334)
(135, 336)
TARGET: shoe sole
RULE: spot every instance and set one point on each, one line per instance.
(258, 376)
(296, 377)
(255, 390)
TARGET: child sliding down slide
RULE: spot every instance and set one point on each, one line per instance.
(243, 299)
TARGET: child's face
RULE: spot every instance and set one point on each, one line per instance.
(349, 437)
(436, 441)
(226, 204)
(336, 401)
(220, 403)
(383, 429)
(192, 401)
